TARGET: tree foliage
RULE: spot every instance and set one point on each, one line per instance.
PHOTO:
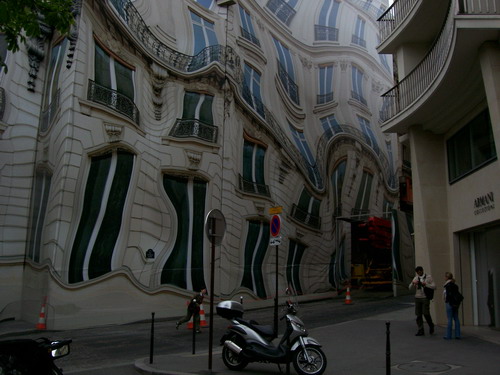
(19, 19)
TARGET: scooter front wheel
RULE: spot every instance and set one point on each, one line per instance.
(311, 363)
(232, 360)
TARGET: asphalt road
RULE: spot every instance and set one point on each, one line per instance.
(113, 349)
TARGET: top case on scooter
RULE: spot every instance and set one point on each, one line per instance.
(230, 309)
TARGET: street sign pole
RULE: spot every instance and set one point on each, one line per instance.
(215, 228)
(276, 297)
(275, 229)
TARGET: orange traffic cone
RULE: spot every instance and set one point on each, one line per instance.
(190, 323)
(41, 318)
(203, 320)
(348, 300)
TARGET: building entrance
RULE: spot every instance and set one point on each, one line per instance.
(484, 259)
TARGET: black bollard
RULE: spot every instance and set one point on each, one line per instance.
(194, 337)
(388, 350)
(151, 343)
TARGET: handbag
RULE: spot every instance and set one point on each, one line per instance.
(429, 293)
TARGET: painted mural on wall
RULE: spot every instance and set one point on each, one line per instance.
(239, 122)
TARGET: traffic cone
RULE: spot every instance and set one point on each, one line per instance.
(348, 300)
(190, 323)
(41, 317)
(203, 320)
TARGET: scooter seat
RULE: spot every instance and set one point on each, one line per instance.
(264, 330)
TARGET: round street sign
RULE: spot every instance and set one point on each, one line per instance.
(275, 225)
(215, 226)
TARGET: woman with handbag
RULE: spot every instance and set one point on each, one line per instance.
(452, 299)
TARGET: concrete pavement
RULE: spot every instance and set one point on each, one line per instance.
(359, 347)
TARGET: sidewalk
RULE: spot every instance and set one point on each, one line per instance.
(359, 348)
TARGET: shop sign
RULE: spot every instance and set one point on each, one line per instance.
(484, 203)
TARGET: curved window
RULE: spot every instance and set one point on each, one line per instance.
(337, 185)
(101, 219)
(247, 29)
(40, 197)
(325, 84)
(204, 33)
(251, 89)
(369, 135)
(326, 29)
(256, 245)
(184, 266)
(295, 253)
(357, 85)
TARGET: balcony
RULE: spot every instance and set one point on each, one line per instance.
(193, 128)
(253, 101)
(181, 62)
(289, 84)
(249, 36)
(251, 187)
(451, 65)
(358, 41)
(114, 100)
(282, 10)
(304, 217)
(326, 33)
(324, 98)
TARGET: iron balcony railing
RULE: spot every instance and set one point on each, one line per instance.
(306, 218)
(478, 7)
(282, 10)
(50, 112)
(410, 88)
(289, 84)
(324, 98)
(359, 41)
(253, 101)
(326, 33)
(224, 55)
(358, 97)
(114, 100)
(194, 128)
(394, 16)
(367, 7)
(252, 187)
(249, 36)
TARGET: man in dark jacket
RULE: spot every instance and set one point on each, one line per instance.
(193, 310)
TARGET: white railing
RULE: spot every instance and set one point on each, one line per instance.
(478, 6)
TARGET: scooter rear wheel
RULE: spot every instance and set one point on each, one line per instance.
(316, 364)
(232, 360)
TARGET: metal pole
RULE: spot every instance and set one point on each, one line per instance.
(211, 291)
(194, 336)
(276, 297)
(388, 350)
(151, 344)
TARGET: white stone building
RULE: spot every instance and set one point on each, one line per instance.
(117, 141)
(446, 109)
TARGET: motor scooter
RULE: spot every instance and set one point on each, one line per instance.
(246, 341)
(32, 357)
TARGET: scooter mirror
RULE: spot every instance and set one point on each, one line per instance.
(59, 351)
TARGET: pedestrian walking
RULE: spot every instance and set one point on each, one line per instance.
(452, 299)
(424, 292)
(193, 310)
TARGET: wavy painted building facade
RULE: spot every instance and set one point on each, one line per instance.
(117, 141)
